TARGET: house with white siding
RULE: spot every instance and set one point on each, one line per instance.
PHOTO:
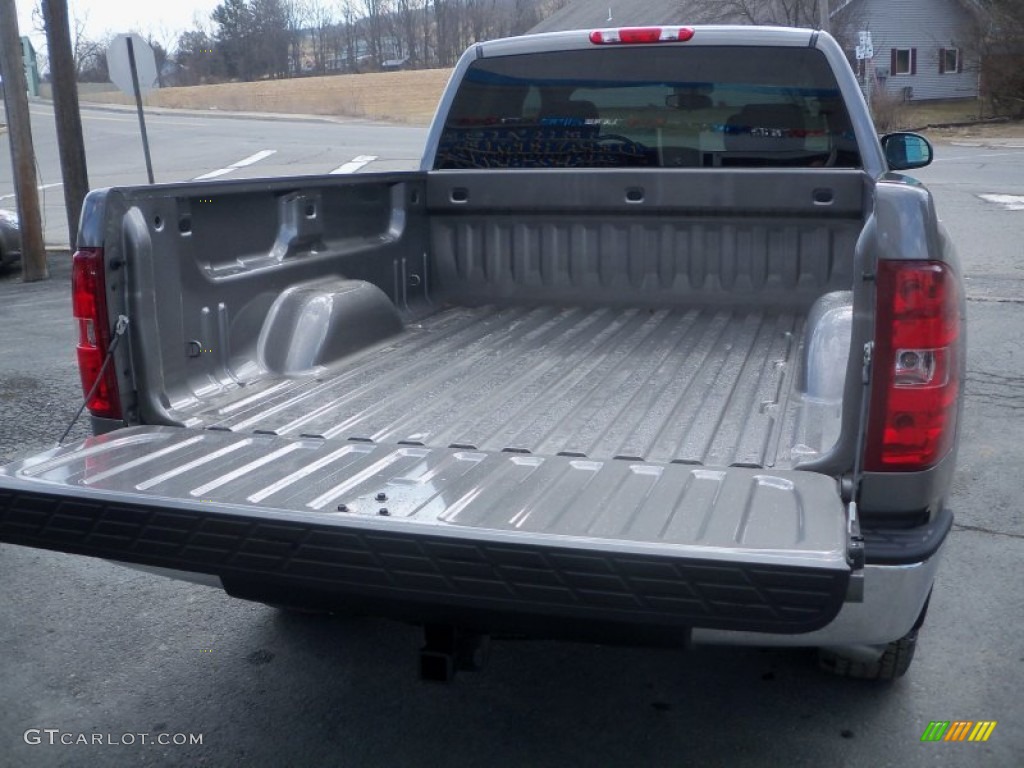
(921, 47)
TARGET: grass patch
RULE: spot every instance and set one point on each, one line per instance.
(956, 118)
(920, 114)
(407, 97)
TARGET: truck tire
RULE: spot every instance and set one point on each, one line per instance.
(893, 663)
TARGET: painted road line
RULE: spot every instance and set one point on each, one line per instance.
(1009, 202)
(86, 116)
(41, 188)
(213, 174)
(261, 155)
(355, 164)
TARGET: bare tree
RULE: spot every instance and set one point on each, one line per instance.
(999, 44)
(547, 7)
(297, 16)
(349, 32)
(321, 21)
(411, 16)
(376, 22)
(483, 19)
(90, 55)
(787, 13)
(526, 14)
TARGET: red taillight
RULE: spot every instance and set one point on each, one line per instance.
(89, 304)
(916, 369)
(640, 35)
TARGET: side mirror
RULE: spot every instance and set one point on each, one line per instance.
(904, 151)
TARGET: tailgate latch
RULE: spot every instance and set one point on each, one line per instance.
(854, 555)
(854, 538)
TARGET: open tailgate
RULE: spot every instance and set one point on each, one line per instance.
(619, 541)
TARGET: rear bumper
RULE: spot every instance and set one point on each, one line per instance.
(893, 598)
(900, 572)
(497, 586)
(907, 546)
(547, 546)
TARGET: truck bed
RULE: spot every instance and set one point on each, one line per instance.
(698, 386)
(444, 310)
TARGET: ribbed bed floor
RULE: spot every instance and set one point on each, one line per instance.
(705, 386)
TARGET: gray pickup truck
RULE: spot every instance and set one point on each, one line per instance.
(655, 347)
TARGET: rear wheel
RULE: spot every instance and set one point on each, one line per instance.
(893, 663)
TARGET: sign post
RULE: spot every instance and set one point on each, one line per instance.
(132, 68)
(865, 49)
(865, 53)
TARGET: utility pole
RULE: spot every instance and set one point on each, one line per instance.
(23, 156)
(66, 113)
(824, 16)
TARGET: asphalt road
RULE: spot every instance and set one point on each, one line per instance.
(185, 145)
(89, 647)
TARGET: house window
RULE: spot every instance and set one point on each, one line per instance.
(904, 61)
(950, 61)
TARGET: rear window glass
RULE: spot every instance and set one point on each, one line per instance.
(650, 106)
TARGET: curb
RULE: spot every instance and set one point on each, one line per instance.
(232, 115)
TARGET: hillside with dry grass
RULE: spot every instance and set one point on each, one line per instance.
(408, 97)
